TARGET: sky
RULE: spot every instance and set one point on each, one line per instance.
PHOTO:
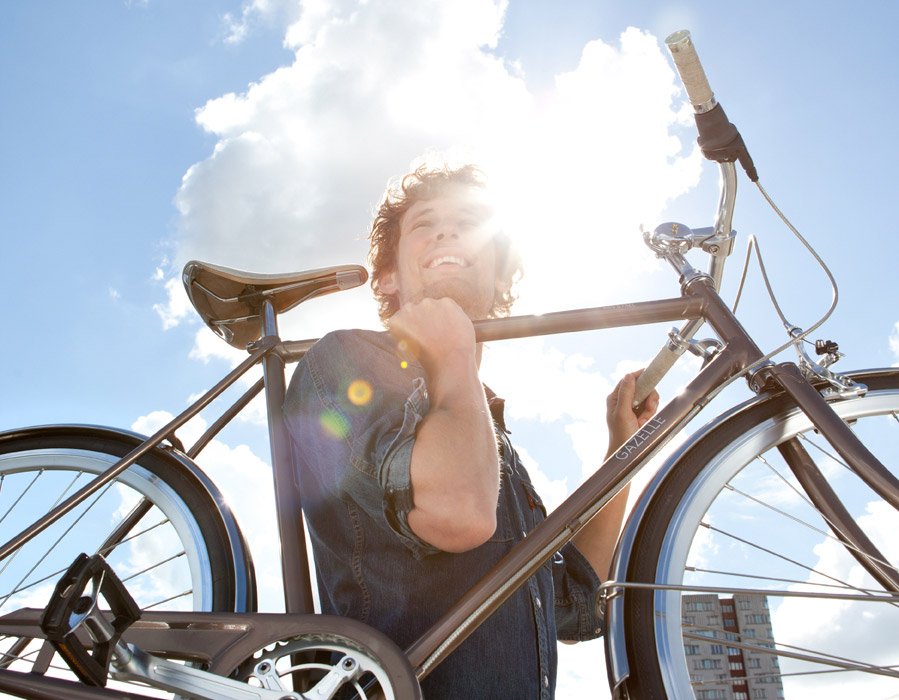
(138, 135)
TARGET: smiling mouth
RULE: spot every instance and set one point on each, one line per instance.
(447, 260)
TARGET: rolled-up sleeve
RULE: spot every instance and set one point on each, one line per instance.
(353, 408)
(576, 587)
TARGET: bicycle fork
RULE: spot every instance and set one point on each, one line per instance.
(816, 487)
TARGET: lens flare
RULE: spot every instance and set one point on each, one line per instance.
(333, 424)
(359, 392)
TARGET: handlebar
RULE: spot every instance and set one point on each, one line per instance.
(719, 141)
(683, 53)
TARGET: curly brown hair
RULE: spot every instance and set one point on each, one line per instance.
(423, 183)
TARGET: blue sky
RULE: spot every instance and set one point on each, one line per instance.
(140, 134)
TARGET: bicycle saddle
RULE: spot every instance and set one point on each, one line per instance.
(230, 301)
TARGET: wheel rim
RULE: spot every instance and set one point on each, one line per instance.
(154, 582)
(682, 548)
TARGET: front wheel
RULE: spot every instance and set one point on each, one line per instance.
(157, 525)
(794, 615)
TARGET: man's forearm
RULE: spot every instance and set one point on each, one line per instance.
(597, 539)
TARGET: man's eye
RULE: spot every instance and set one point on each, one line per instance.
(421, 224)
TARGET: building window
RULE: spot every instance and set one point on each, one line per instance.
(700, 664)
(691, 649)
(755, 663)
(733, 651)
(758, 694)
(736, 666)
(758, 619)
(710, 695)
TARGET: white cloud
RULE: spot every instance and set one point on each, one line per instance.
(207, 346)
(255, 12)
(303, 155)
(177, 306)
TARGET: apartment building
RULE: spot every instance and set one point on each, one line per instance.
(725, 642)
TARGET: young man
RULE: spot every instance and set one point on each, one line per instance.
(411, 487)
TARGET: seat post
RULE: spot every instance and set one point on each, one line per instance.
(294, 558)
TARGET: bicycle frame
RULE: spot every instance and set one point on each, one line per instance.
(698, 301)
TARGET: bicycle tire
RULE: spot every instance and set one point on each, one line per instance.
(179, 555)
(704, 509)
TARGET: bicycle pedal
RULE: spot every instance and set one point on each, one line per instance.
(74, 609)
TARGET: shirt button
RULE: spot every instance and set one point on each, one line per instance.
(546, 681)
(537, 601)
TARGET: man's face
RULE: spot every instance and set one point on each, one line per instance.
(446, 249)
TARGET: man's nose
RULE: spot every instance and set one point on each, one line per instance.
(448, 230)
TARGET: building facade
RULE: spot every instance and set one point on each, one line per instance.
(726, 642)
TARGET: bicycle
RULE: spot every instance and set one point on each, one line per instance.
(216, 646)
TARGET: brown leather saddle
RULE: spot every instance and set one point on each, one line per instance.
(230, 301)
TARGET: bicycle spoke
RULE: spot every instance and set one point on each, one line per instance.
(55, 544)
(167, 600)
(803, 654)
(777, 555)
(21, 495)
(804, 523)
(58, 500)
(151, 568)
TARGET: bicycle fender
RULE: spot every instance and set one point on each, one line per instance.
(244, 570)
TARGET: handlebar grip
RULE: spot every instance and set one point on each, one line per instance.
(653, 374)
(690, 69)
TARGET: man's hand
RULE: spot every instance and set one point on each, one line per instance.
(435, 331)
(621, 416)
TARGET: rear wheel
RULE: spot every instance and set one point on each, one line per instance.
(157, 526)
(786, 623)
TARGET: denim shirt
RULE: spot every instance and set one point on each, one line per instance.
(352, 408)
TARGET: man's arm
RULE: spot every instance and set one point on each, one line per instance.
(455, 465)
(597, 539)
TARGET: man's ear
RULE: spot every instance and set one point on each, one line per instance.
(387, 283)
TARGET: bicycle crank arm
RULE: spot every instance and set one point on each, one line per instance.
(192, 682)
